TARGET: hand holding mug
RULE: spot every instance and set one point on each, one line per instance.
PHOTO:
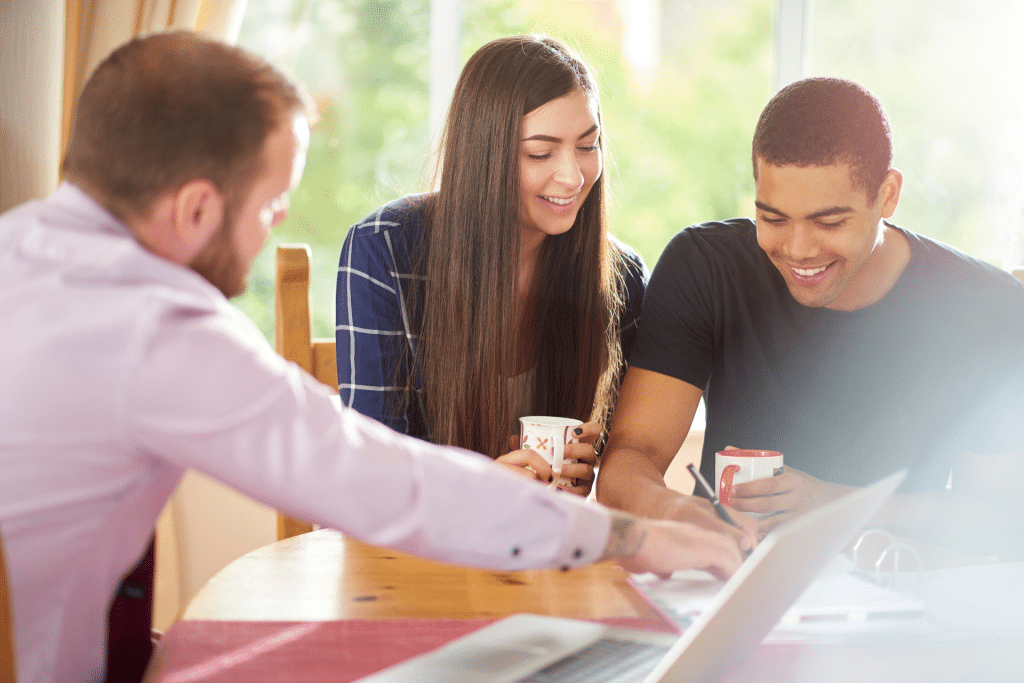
(548, 436)
(579, 459)
(735, 466)
(777, 499)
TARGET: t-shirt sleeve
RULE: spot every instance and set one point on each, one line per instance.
(633, 277)
(675, 335)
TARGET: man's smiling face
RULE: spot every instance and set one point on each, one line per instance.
(821, 231)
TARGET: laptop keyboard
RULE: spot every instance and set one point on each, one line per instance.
(606, 661)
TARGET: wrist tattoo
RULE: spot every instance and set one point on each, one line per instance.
(626, 537)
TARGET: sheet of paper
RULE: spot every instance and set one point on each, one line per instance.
(980, 599)
(837, 602)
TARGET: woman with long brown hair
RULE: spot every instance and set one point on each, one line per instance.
(501, 294)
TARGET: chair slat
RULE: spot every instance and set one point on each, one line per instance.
(293, 332)
(8, 670)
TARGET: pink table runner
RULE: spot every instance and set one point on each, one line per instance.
(344, 651)
(311, 651)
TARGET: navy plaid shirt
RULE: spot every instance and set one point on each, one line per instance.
(376, 342)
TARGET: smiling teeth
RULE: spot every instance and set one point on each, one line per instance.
(809, 272)
(560, 202)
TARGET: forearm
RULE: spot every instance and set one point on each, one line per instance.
(271, 431)
(626, 536)
(629, 481)
(652, 418)
(663, 546)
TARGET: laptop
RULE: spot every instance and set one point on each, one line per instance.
(530, 648)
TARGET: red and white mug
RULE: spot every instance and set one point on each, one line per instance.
(738, 466)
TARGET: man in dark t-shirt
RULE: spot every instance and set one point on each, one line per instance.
(852, 346)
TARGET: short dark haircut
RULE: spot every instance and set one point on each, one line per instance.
(825, 121)
(168, 108)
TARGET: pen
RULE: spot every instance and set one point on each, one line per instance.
(710, 493)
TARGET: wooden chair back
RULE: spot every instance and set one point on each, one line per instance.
(294, 339)
(7, 667)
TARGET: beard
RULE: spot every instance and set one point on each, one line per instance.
(219, 263)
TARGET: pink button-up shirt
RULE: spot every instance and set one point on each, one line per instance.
(120, 370)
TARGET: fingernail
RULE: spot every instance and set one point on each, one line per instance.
(578, 431)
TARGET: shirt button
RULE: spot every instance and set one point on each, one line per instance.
(578, 553)
(515, 550)
(564, 567)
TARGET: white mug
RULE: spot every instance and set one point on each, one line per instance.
(739, 466)
(548, 436)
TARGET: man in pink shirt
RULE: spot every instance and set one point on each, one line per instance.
(125, 364)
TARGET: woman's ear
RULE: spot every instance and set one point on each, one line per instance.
(197, 213)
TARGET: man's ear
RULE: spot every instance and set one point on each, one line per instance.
(889, 192)
(197, 212)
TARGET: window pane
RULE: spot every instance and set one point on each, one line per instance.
(682, 83)
(364, 63)
(948, 74)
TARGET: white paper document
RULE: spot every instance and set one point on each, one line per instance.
(837, 602)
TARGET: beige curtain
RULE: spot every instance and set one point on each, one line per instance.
(95, 27)
(47, 49)
(31, 77)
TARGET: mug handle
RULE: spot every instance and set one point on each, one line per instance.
(725, 484)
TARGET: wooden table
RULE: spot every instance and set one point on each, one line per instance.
(337, 597)
(324, 575)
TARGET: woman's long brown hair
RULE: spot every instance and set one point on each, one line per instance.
(468, 336)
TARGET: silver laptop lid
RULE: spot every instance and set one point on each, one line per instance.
(751, 602)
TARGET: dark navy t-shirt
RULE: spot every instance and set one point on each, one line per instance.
(933, 368)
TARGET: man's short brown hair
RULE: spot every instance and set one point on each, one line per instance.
(825, 121)
(171, 107)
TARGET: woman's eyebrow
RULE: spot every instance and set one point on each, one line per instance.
(551, 138)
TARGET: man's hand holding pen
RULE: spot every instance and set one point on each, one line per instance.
(739, 521)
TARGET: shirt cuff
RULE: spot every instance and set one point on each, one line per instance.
(589, 527)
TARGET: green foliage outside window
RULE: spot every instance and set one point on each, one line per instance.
(679, 151)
